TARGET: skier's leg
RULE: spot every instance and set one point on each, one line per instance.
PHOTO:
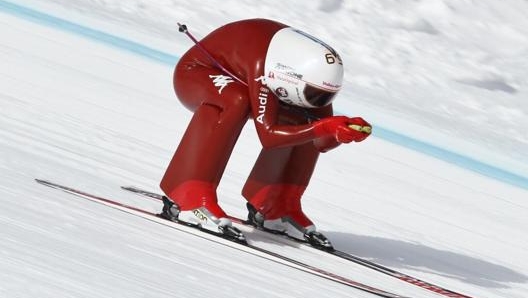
(274, 190)
(278, 180)
(194, 172)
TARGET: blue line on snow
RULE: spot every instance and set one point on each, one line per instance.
(118, 42)
(162, 57)
(452, 157)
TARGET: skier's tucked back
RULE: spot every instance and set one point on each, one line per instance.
(284, 80)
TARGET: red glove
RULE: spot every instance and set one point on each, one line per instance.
(342, 128)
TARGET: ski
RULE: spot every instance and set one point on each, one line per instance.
(340, 254)
(216, 238)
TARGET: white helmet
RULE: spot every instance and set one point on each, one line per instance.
(302, 70)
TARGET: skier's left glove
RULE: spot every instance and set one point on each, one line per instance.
(359, 129)
(343, 129)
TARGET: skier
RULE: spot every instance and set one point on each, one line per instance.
(284, 80)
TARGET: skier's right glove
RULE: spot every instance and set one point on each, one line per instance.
(342, 128)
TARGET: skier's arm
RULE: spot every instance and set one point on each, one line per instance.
(326, 133)
(265, 111)
(325, 143)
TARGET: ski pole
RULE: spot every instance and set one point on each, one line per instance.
(183, 28)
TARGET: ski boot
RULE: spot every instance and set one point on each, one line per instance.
(202, 218)
(286, 225)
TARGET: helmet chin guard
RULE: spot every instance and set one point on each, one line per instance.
(301, 70)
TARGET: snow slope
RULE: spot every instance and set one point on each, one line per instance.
(456, 68)
(86, 111)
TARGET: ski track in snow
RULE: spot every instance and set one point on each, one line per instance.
(94, 117)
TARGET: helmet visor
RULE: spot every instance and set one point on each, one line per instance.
(318, 97)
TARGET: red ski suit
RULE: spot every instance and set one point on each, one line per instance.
(222, 106)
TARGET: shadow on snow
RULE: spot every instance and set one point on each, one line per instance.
(399, 254)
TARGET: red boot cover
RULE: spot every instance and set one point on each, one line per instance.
(281, 200)
(195, 194)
